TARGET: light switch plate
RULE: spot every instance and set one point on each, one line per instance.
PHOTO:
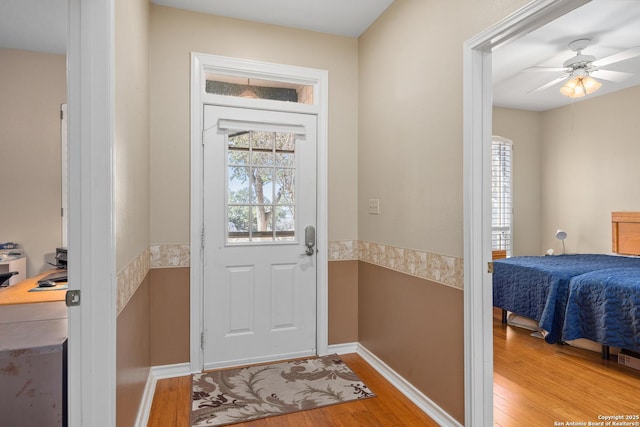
(374, 206)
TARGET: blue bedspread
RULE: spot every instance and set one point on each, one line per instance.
(604, 306)
(537, 287)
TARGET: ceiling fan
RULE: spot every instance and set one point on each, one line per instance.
(580, 70)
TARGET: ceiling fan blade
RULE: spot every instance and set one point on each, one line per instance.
(551, 83)
(612, 76)
(540, 68)
(617, 57)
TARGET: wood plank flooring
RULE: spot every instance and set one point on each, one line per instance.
(535, 384)
(170, 407)
(540, 384)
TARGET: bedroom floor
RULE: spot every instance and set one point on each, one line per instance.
(540, 384)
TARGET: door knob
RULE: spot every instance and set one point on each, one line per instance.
(309, 240)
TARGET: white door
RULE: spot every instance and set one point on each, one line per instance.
(259, 263)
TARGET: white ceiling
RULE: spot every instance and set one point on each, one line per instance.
(613, 25)
(37, 25)
(41, 25)
(341, 17)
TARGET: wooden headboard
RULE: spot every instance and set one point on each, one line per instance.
(625, 232)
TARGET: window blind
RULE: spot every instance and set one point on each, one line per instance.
(501, 195)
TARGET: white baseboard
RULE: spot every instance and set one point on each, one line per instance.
(429, 407)
(157, 373)
(346, 348)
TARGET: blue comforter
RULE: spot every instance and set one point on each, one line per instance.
(604, 306)
(538, 286)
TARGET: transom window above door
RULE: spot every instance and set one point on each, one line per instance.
(261, 188)
(245, 87)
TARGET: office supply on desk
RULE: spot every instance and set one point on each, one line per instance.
(4, 278)
(52, 281)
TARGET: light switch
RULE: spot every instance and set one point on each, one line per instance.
(374, 206)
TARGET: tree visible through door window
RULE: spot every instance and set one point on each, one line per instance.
(501, 197)
(261, 199)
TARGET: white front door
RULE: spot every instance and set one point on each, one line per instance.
(259, 199)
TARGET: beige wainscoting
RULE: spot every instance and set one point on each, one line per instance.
(401, 317)
(133, 356)
(343, 302)
(380, 302)
(169, 328)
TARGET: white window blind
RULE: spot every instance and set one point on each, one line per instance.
(501, 195)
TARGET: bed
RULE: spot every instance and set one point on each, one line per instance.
(558, 291)
(604, 306)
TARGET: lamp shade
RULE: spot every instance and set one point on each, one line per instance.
(590, 85)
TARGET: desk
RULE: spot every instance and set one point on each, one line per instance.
(33, 359)
(19, 293)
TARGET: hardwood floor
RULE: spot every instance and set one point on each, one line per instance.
(389, 409)
(535, 384)
(540, 384)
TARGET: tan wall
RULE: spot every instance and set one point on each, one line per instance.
(174, 35)
(132, 355)
(131, 202)
(410, 122)
(131, 135)
(410, 157)
(169, 315)
(416, 327)
(343, 302)
(590, 168)
(524, 129)
(33, 85)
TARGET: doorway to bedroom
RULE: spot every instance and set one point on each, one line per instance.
(477, 159)
(486, 287)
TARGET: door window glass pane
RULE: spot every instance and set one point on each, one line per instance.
(285, 186)
(238, 188)
(260, 187)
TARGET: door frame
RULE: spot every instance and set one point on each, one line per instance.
(201, 65)
(477, 111)
(91, 244)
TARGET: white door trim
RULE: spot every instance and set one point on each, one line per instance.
(477, 104)
(201, 65)
(92, 325)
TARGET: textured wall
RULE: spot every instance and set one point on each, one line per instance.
(524, 129)
(410, 121)
(590, 153)
(131, 204)
(174, 35)
(415, 326)
(33, 85)
(131, 130)
(169, 314)
(343, 302)
(410, 157)
(133, 359)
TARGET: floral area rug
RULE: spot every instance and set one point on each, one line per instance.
(245, 394)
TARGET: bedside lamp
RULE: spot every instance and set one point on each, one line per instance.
(561, 235)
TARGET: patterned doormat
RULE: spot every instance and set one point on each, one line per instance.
(244, 394)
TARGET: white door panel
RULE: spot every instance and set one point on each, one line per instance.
(260, 194)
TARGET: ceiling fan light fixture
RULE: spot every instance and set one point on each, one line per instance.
(577, 87)
(569, 88)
